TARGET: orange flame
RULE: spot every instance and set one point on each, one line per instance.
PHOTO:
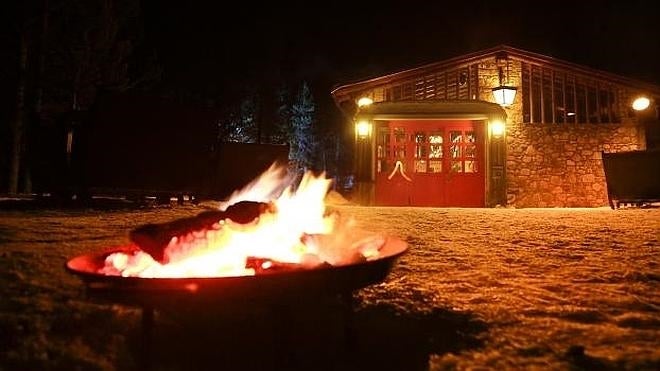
(297, 231)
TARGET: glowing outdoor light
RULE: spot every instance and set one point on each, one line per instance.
(364, 101)
(503, 94)
(641, 103)
(363, 128)
(497, 128)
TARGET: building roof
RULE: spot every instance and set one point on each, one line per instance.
(357, 86)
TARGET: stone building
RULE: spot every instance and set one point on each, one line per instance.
(435, 136)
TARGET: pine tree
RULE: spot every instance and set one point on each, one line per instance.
(280, 132)
(241, 125)
(302, 140)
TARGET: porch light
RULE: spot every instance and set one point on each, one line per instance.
(641, 103)
(363, 129)
(504, 94)
(364, 101)
(497, 128)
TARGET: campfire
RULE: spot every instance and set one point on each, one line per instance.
(271, 242)
(274, 225)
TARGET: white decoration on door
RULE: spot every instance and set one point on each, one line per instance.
(399, 166)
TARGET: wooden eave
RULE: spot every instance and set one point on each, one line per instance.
(433, 110)
(340, 93)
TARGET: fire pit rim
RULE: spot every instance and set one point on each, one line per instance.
(282, 287)
(392, 249)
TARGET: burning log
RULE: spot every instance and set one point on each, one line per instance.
(292, 232)
(154, 238)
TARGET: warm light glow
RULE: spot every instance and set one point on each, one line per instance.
(497, 128)
(295, 230)
(641, 103)
(504, 95)
(364, 101)
(363, 129)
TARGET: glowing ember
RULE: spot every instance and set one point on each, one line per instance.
(294, 231)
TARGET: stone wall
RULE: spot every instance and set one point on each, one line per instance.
(560, 165)
(554, 165)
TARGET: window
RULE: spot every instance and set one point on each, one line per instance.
(399, 143)
(435, 152)
(420, 152)
(456, 141)
(453, 83)
(555, 96)
(382, 149)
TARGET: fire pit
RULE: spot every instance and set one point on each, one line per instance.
(281, 286)
(258, 249)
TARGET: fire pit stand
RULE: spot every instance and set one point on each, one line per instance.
(152, 294)
(189, 302)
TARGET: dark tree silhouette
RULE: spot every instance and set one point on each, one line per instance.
(69, 51)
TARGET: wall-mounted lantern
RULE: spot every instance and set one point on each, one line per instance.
(363, 129)
(497, 128)
(504, 94)
(364, 101)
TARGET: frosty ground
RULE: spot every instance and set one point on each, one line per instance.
(478, 288)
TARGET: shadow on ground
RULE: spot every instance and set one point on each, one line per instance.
(316, 336)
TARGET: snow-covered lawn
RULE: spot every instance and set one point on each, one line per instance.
(491, 288)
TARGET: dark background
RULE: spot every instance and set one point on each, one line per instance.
(214, 53)
(206, 42)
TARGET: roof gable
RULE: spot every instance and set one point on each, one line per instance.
(511, 52)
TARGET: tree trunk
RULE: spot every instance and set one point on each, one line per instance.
(36, 100)
(18, 124)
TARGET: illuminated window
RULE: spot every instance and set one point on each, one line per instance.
(456, 138)
(456, 83)
(435, 145)
(435, 166)
(556, 96)
(383, 148)
(420, 152)
(470, 166)
(399, 143)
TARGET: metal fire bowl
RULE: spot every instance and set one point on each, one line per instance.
(281, 286)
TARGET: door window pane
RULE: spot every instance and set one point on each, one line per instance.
(435, 166)
(470, 166)
(399, 143)
(383, 142)
(455, 138)
(470, 145)
(420, 145)
(435, 140)
(420, 166)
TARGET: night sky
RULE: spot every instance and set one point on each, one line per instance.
(217, 48)
(209, 43)
(213, 50)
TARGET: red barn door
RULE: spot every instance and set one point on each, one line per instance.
(430, 163)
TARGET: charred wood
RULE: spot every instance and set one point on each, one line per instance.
(154, 238)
